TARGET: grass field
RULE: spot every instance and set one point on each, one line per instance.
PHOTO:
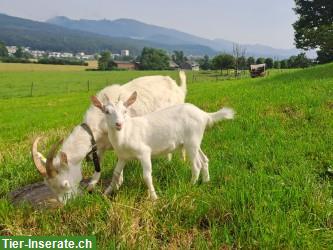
(17, 80)
(269, 182)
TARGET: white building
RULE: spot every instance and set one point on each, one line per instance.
(37, 53)
(124, 52)
(60, 54)
(80, 54)
(55, 54)
(11, 49)
(114, 56)
(66, 55)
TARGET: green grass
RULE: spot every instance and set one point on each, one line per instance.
(16, 80)
(269, 183)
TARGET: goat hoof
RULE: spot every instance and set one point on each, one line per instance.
(90, 188)
(153, 197)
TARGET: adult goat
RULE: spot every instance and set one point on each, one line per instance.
(62, 171)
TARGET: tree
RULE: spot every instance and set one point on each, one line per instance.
(223, 61)
(291, 62)
(302, 61)
(242, 62)
(238, 52)
(178, 57)
(269, 62)
(104, 60)
(277, 64)
(19, 52)
(284, 64)
(299, 61)
(3, 50)
(205, 63)
(250, 61)
(260, 60)
(314, 28)
(153, 59)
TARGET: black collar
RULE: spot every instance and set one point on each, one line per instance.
(93, 147)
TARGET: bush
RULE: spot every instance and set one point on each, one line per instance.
(154, 59)
(62, 61)
(14, 60)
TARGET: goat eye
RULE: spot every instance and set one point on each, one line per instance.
(107, 112)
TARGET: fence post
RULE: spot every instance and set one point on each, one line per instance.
(31, 88)
(88, 85)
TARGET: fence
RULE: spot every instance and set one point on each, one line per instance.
(42, 83)
(215, 75)
(42, 88)
(58, 83)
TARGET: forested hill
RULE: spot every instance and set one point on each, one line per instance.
(45, 36)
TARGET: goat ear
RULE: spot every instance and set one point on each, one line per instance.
(97, 103)
(63, 158)
(131, 100)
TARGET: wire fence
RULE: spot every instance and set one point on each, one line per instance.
(42, 88)
(42, 83)
(53, 85)
(219, 75)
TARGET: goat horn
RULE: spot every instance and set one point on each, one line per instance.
(38, 163)
(50, 169)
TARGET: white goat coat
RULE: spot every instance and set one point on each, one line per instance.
(160, 132)
(155, 92)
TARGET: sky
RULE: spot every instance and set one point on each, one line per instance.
(267, 22)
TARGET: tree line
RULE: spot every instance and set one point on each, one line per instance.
(228, 61)
(150, 59)
(158, 59)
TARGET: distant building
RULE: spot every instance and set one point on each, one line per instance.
(127, 65)
(83, 56)
(55, 54)
(66, 55)
(190, 66)
(88, 57)
(37, 53)
(173, 65)
(124, 52)
(113, 56)
(11, 49)
(60, 54)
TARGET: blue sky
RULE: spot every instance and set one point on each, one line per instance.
(266, 22)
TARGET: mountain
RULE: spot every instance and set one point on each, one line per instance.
(50, 37)
(138, 30)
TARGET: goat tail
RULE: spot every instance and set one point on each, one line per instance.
(182, 77)
(222, 114)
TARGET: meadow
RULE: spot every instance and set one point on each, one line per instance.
(270, 182)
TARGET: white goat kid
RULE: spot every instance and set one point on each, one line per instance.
(157, 133)
(62, 171)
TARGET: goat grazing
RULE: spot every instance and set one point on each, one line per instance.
(157, 133)
(62, 171)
